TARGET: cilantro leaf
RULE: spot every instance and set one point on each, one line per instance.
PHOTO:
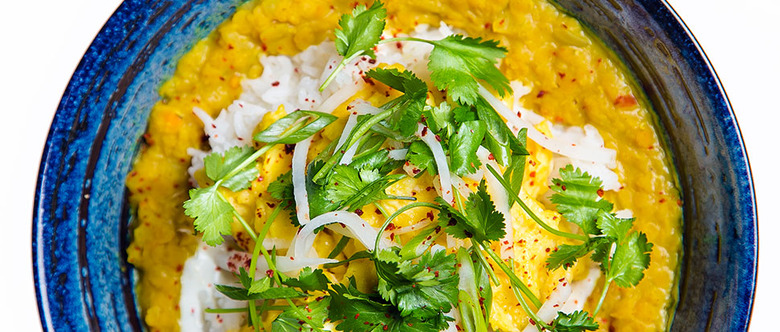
(566, 255)
(282, 189)
(463, 147)
(439, 119)
(482, 222)
(578, 198)
(218, 165)
(356, 311)
(456, 62)
(463, 114)
(577, 321)
(259, 286)
(422, 289)
(515, 172)
(295, 127)
(421, 156)
(308, 280)
(293, 320)
(354, 188)
(630, 260)
(361, 31)
(408, 108)
(499, 139)
(243, 294)
(213, 215)
(615, 227)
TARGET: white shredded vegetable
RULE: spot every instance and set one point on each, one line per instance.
(441, 162)
(554, 302)
(340, 96)
(348, 223)
(299, 180)
(347, 157)
(581, 291)
(599, 155)
(397, 154)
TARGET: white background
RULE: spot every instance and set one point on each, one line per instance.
(42, 42)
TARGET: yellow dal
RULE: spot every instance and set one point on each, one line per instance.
(575, 82)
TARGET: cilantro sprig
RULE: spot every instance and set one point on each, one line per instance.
(234, 170)
(358, 35)
(457, 63)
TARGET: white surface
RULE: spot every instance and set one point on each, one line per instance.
(43, 42)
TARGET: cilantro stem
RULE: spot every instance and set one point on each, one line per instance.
(338, 68)
(402, 198)
(225, 311)
(513, 195)
(382, 210)
(253, 265)
(540, 325)
(356, 134)
(358, 255)
(397, 39)
(486, 265)
(516, 282)
(607, 282)
(248, 161)
(271, 264)
(339, 247)
(396, 214)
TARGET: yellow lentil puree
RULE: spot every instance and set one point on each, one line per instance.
(575, 81)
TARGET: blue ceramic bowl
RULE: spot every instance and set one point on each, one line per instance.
(80, 219)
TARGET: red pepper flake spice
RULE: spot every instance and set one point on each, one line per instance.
(625, 101)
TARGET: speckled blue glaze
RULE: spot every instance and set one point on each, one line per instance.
(80, 218)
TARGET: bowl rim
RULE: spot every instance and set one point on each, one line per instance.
(41, 217)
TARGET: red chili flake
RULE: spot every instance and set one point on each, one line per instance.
(399, 45)
(372, 61)
(541, 94)
(532, 174)
(561, 75)
(519, 115)
(390, 227)
(438, 138)
(429, 215)
(276, 83)
(269, 273)
(490, 157)
(270, 205)
(488, 25)
(600, 192)
(679, 202)
(357, 315)
(563, 187)
(424, 131)
(179, 268)
(662, 200)
(376, 211)
(625, 101)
